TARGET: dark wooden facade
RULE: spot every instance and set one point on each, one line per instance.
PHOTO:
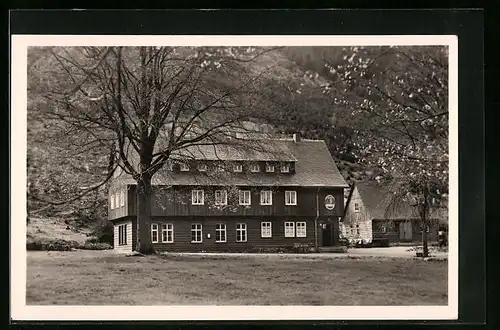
(393, 232)
(173, 205)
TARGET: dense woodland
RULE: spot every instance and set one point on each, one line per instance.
(383, 111)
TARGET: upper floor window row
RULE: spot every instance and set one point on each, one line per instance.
(237, 167)
(244, 197)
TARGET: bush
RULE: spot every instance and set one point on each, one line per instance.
(96, 246)
(51, 245)
(103, 233)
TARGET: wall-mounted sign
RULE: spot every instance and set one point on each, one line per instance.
(329, 202)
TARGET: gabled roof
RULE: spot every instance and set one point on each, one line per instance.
(314, 167)
(377, 200)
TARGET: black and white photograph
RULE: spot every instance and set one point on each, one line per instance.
(217, 177)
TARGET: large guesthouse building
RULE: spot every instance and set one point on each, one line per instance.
(222, 198)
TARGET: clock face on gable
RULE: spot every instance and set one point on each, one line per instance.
(329, 202)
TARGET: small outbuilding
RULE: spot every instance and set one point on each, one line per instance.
(367, 217)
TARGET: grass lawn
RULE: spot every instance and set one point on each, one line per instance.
(105, 278)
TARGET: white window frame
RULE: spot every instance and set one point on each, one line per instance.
(112, 201)
(241, 228)
(254, 168)
(184, 167)
(244, 193)
(167, 228)
(220, 168)
(202, 167)
(269, 168)
(196, 229)
(199, 201)
(154, 229)
(224, 199)
(302, 232)
(117, 200)
(289, 229)
(290, 200)
(122, 198)
(122, 234)
(237, 168)
(357, 230)
(356, 207)
(285, 168)
(263, 193)
(220, 228)
(266, 229)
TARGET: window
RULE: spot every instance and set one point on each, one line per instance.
(357, 229)
(202, 167)
(301, 229)
(265, 229)
(289, 229)
(220, 197)
(358, 217)
(184, 167)
(245, 197)
(154, 233)
(241, 232)
(266, 197)
(352, 230)
(356, 207)
(269, 168)
(117, 199)
(384, 229)
(220, 233)
(122, 198)
(167, 233)
(122, 235)
(285, 168)
(238, 168)
(255, 168)
(219, 168)
(197, 197)
(290, 197)
(112, 201)
(196, 233)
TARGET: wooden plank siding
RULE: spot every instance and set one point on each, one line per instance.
(177, 202)
(393, 231)
(131, 235)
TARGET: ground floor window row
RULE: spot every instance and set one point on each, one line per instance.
(166, 232)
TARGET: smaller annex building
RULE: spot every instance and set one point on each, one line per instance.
(367, 220)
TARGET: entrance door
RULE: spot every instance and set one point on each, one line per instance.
(327, 234)
(405, 233)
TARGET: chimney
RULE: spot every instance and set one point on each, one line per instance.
(296, 137)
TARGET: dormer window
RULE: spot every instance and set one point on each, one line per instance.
(202, 167)
(184, 167)
(285, 168)
(238, 168)
(269, 168)
(254, 168)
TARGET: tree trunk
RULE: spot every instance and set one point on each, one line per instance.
(144, 190)
(425, 246)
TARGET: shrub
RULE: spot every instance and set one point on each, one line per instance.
(96, 246)
(103, 232)
(51, 245)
